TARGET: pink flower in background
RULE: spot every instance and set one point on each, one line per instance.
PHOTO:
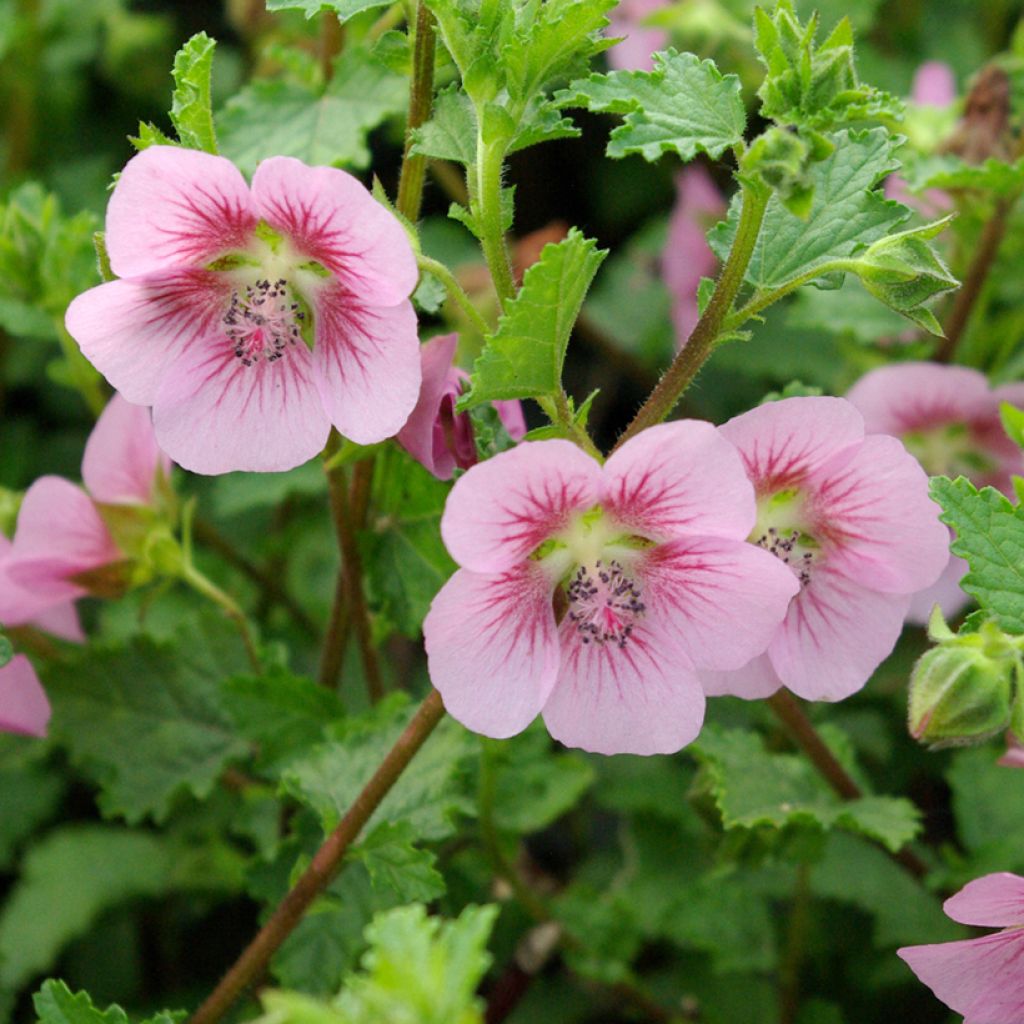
(634, 52)
(981, 979)
(645, 562)
(24, 708)
(435, 435)
(948, 419)
(851, 517)
(687, 256)
(252, 319)
(62, 543)
(1014, 756)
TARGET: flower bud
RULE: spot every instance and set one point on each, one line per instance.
(960, 694)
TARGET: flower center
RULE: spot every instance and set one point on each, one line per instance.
(604, 603)
(262, 321)
(948, 450)
(781, 530)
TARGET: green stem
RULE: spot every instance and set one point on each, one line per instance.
(557, 410)
(455, 291)
(323, 867)
(201, 585)
(490, 159)
(709, 327)
(421, 98)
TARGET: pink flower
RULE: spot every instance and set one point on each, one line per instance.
(592, 594)
(633, 53)
(63, 548)
(948, 418)
(851, 517)
(24, 708)
(435, 435)
(982, 979)
(687, 256)
(1014, 756)
(252, 319)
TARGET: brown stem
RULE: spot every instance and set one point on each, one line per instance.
(332, 654)
(351, 570)
(421, 98)
(323, 867)
(977, 273)
(330, 43)
(796, 938)
(800, 726)
(212, 538)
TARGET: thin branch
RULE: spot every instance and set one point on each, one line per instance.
(421, 99)
(322, 868)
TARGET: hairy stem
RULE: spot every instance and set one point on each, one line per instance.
(789, 712)
(350, 585)
(967, 298)
(421, 98)
(698, 346)
(490, 159)
(323, 867)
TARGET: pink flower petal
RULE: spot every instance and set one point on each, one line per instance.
(176, 208)
(634, 52)
(995, 900)
(420, 436)
(24, 708)
(916, 396)
(366, 366)
(835, 635)
(875, 509)
(754, 681)
(641, 698)
(512, 419)
(944, 592)
(330, 216)
(934, 84)
(983, 979)
(679, 479)
(59, 535)
(19, 606)
(214, 414)
(782, 442)
(121, 456)
(60, 620)
(492, 648)
(721, 600)
(503, 509)
(132, 330)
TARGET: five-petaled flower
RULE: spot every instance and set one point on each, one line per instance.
(948, 418)
(982, 979)
(594, 594)
(851, 517)
(435, 435)
(252, 319)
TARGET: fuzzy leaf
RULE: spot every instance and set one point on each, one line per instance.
(523, 358)
(405, 872)
(191, 112)
(451, 132)
(343, 9)
(990, 535)
(55, 1003)
(684, 106)
(846, 214)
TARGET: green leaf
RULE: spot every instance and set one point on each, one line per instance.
(535, 784)
(946, 171)
(191, 111)
(51, 904)
(6, 650)
(752, 788)
(146, 720)
(55, 1003)
(523, 358)
(331, 775)
(31, 793)
(853, 871)
(280, 713)
(847, 214)
(283, 118)
(451, 132)
(1012, 420)
(684, 106)
(990, 535)
(235, 494)
(403, 871)
(848, 311)
(343, 9)
(406, 562)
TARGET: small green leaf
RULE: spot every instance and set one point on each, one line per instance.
(56, 1004)
(191, 111)
(342, 9)
(523, 358)
(684, 106)
(990, 535)
(1013, 422)
(405, 872)
(846, 215)
(946, 171)
(451, 132)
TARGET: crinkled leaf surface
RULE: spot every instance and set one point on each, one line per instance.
(191, 112)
